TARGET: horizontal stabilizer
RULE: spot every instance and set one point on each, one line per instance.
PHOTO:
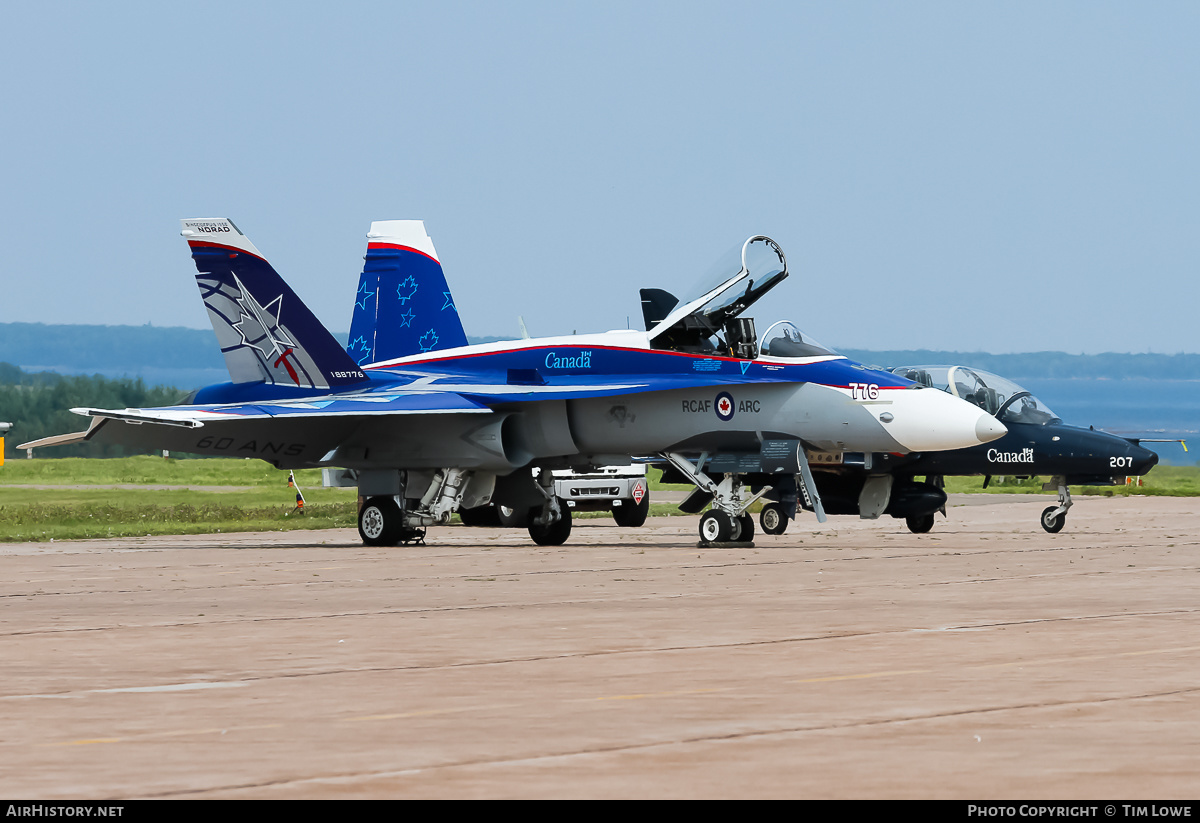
(1137, 441)
(64, 439)
(56, 440)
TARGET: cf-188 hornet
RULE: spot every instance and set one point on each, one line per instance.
(450, 426)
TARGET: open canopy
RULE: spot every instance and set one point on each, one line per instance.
(737, 281)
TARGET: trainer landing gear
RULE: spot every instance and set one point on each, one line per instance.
(920, 524)
(1055, 517)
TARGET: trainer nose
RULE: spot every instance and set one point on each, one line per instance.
(1143, 459)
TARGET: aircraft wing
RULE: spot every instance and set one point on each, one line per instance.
(293, 432)
(363, 405)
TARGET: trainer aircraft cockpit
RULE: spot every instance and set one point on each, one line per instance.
(710, 321)
(996, 395)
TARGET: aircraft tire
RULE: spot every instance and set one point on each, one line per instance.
(512, 518)
(772, 519)
(745, 532)
(480, 516)
(630, 515)
(379, 522)
(1051, 523)
(716, 527)
(919, 525)
(556, 533)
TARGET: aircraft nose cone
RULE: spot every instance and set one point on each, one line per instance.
(930, 420)
(1143, 460)
(988, 428)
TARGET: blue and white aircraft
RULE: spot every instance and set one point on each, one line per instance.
(425, 432)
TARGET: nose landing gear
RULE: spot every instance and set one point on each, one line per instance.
(728, 520)
(1055, 517)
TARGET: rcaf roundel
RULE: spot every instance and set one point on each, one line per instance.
(724, 406)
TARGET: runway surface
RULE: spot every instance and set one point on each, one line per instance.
(985, 660)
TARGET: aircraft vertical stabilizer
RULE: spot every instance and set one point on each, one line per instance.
(265, 332)
(403, 305)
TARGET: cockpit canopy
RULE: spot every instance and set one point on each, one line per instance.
(695, 324)
(996, 395)
(783, 339)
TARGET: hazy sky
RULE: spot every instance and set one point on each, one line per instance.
(1013, 176)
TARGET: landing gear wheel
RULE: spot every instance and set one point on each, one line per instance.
(480, 516)
(772, 519)
(630, 515)
(379, 522)
(1051, 523)
(919, 525)
(556, 533)
(716, 526)
(746, 528)
(512, 518)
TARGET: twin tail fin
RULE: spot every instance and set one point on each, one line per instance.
(265, 331)
(403, 305)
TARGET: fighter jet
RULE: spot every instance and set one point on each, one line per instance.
(1038, 443)
(424, 434)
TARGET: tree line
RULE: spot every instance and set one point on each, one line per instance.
(38, 405)
(130, 349)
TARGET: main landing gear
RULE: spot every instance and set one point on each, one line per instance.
(396, 519)
(1054, 517)
(381, 522)
(544, 533)
(551, 525)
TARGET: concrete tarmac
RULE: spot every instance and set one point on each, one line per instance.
(984, 660)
